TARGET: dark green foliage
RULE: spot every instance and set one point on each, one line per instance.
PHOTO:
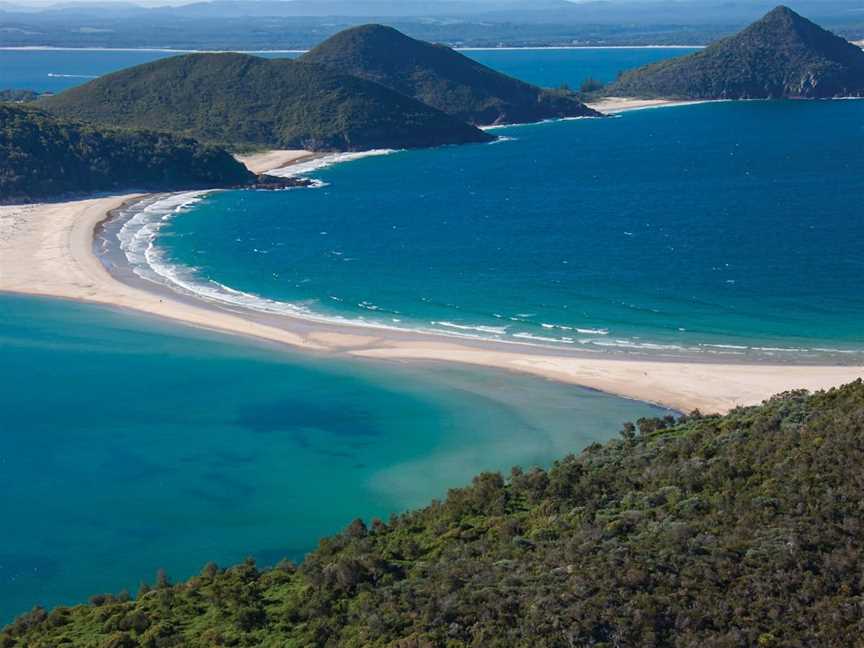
(43, 156)
(442, 78)
(590, 85)
(782, 55)
(706, 532)
(240, 100)
(17, 96)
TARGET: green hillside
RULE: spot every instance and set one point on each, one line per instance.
(44, 156)
(741, 530)
(241, 101)
(15, 95)
(442, 78)
(782, 55)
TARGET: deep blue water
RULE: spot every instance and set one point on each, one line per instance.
(551, 68)
(56, 70)
(717, 228)
(127, 444)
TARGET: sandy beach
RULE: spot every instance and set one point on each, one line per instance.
(47, 249)
(615, 105)
(276, 159)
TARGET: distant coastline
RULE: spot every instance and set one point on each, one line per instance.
(50, 48)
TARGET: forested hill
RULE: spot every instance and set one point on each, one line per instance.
(442, 78)
(43, 156)
(18, 96)
(241, 100)
(742, 530)
(782, 55)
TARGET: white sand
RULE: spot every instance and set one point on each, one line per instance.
(47, 249)
(271, 160)
(615, 105)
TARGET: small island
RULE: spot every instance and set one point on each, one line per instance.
(783, 55)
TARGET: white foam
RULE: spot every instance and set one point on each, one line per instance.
(316, 164)
(553, 120)
(725, 346)
(542, 338)
(494, 330)
(631, 344)
(138, 234)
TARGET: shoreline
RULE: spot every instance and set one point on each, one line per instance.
(53, 247)
(265, 161)
(168, 50)
(617, 105)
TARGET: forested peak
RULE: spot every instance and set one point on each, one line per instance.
(239, 100)
(781, 55)
(441, 77)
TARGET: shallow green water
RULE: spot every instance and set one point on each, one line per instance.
(128, 444)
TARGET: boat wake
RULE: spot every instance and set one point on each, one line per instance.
(57, 75)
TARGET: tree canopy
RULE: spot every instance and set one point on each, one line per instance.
(781, 55)
(443, 78)
(240, 100)
(44, 156)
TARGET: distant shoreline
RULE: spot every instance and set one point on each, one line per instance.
(50, 250)
(168, 50)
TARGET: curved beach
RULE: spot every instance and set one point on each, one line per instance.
(48, 249)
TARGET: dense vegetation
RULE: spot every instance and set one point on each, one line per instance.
(44, 156)
(241, 100)
(742, 530)
(442, 78)
(782, 55)
(18, 95)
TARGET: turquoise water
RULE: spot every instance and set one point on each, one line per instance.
(727, 229)
(56, 70)
(128, 445)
